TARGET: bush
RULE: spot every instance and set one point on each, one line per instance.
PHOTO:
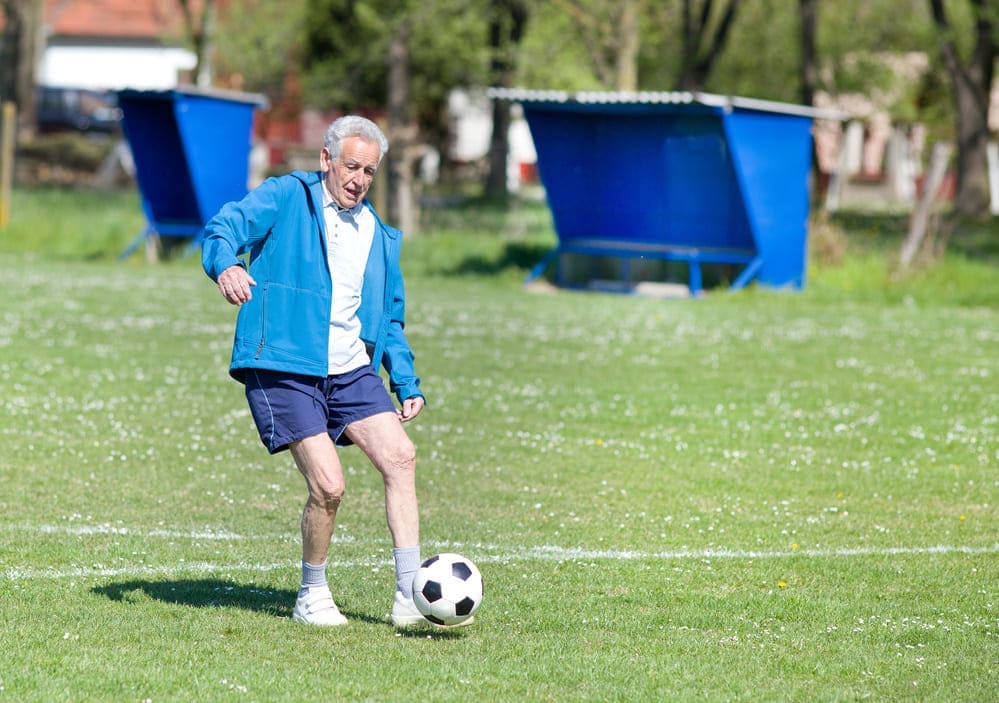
(63, 159)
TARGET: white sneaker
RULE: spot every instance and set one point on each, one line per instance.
(405, 614)
(316, 607)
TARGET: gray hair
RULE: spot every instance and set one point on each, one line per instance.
(353, 126)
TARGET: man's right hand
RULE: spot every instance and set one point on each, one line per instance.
(235, 283)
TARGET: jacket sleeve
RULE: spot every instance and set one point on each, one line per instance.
(238, 226)
(398, 357)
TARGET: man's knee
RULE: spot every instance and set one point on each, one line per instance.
(328, 493)
(401, 458)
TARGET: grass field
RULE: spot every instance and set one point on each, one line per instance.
(761, 496)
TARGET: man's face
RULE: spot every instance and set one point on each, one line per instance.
(349, 176)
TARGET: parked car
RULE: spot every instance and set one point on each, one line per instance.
(77, 109)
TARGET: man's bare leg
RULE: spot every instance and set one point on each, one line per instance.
(316, 458)
(319, 464)
(384, 441)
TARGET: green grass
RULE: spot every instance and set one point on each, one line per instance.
(760, 496)
(71, 225)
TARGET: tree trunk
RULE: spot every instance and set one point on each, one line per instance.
(629, 42)
(20, 46)
(402, 133)
(972, 196)
(506, 28)
(206, 56)
(9, 41)
(702, 47)
(201, 33)
(499, 152)
(808, 11)
(971, 84)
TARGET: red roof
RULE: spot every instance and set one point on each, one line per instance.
(133, 19)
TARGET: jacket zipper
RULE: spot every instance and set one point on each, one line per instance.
(263, 318)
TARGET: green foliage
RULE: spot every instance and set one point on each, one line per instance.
(867, 268)
(858, 41)
(761, 58)
(551, 55)
(67, 150)
(762, 54)
(347, 52)
(343, 44)
(261, 41)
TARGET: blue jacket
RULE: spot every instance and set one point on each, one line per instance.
(285, 325)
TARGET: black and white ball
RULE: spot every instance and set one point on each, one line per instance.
(447, 589)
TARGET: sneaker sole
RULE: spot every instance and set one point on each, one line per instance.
(424, 623)
(298, 618)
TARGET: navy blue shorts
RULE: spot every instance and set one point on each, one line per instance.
(289, 407)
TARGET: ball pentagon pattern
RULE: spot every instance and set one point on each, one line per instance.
(447, 589)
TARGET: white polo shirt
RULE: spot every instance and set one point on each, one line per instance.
(348, 242)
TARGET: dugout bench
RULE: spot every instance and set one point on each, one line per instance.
(191, 149)
(688, 177)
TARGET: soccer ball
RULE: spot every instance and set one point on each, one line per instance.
(447, 589)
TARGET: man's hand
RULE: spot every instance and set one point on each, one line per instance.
(411, 407)
(235, 283)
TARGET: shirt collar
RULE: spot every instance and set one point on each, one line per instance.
(329, 202)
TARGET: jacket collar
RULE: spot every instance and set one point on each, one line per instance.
(313, 180)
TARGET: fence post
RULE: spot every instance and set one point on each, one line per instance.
(8, 118)
(920, 221)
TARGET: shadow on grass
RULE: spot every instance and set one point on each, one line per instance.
(519, 256)
(217, 593)
(204, 593)
(432, 633)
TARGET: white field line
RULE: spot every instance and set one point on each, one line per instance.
(483, 553)
(87, 530)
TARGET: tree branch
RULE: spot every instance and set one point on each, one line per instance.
(589, 26)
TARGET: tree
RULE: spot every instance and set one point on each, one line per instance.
(18, 49)
(808, 13)
(610, 33)
(403, 133)
(703, 39)
(507, 23)
(369, 56)
(971, 84)
(199, 28)
(251, 29)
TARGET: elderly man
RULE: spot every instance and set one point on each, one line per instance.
(322, 309)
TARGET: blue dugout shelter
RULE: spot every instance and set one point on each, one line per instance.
(191, 149)
(690, 177)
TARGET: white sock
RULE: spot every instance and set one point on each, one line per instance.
(312, 575)
(407, 563)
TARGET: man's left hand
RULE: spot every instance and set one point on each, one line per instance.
(411, 407)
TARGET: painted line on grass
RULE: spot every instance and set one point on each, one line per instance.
(105, 529)
(481, 553)
(205, 535)
(195, 568)
(561, 553)
(542, 552)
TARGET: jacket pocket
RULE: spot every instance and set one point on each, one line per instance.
(295, 323)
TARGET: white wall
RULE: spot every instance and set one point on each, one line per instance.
(114, 68)
(471, 119)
